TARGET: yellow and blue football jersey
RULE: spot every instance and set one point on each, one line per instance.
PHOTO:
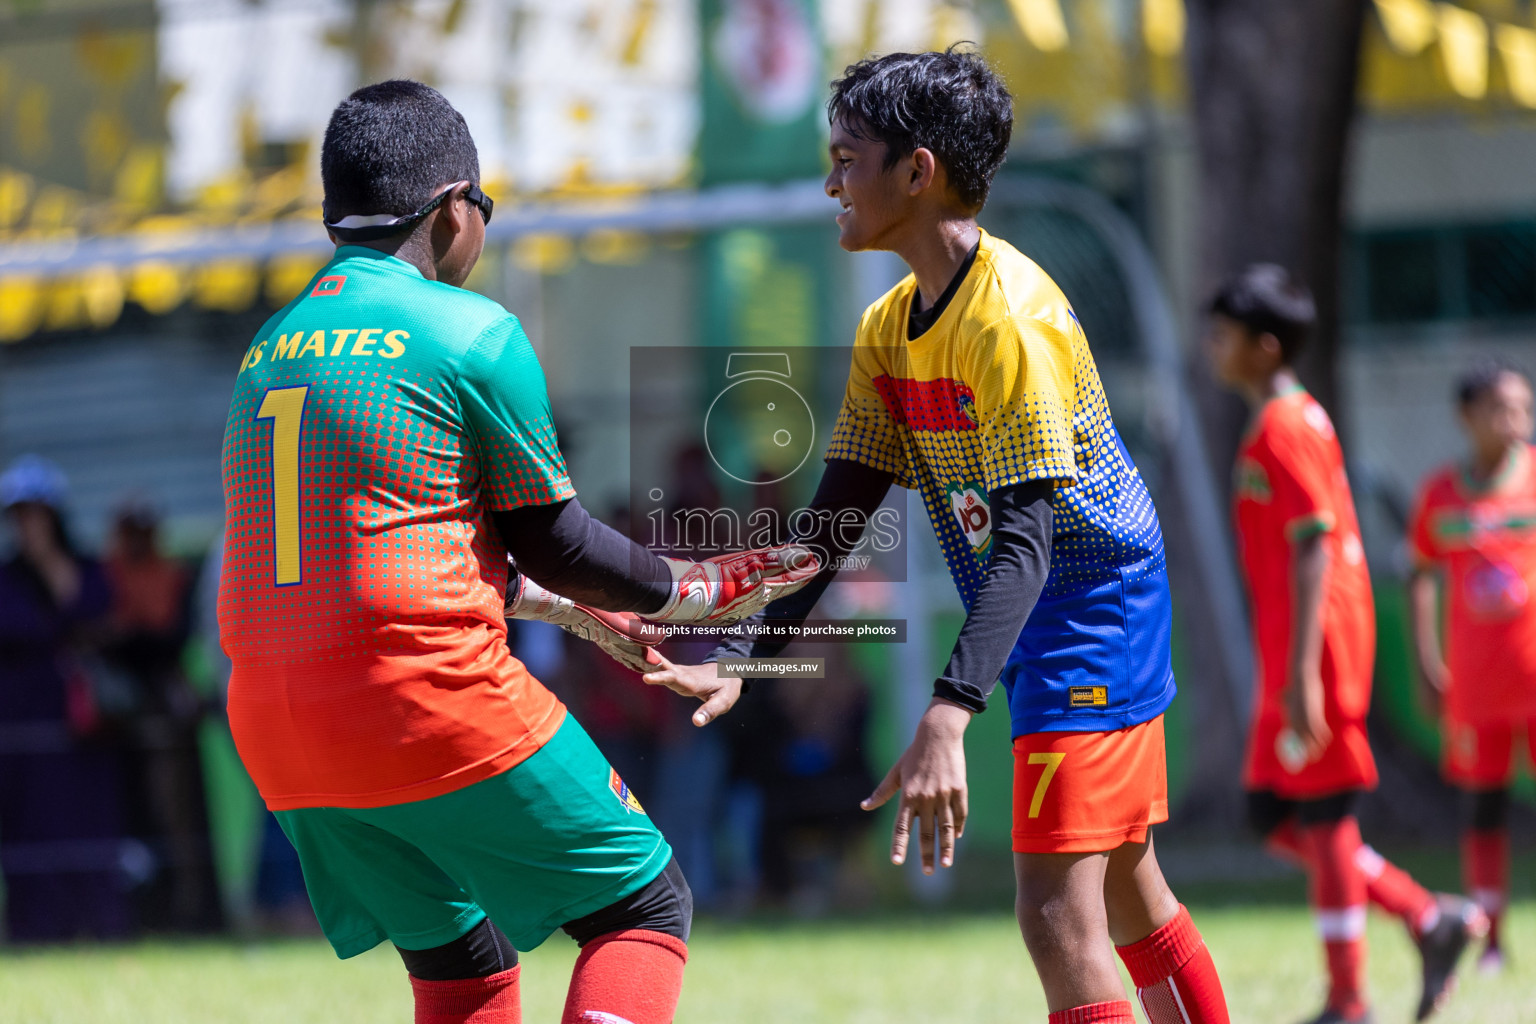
(1001, 390)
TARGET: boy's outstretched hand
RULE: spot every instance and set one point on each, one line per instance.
(931, 779)
(718, 693)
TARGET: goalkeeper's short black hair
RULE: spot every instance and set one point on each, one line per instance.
(1481, 378)
(389, 147)
(1264, 299)
(949, 103)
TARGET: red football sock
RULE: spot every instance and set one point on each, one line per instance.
(1386, 885)
(1285, 843)
(1174, 976)
(1119, 1012)
(1394, 890)
(1346, 973)
(628, 977)
(1338, 902)
(492, 1000)
(1485, 867)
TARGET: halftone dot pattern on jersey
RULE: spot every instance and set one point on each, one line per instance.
(988, 398)
(385, 500)
(1031, 441)
(382, 674)
(864, 433)
(520, 473)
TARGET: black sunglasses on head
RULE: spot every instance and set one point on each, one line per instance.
(371, 228)
(480, 199)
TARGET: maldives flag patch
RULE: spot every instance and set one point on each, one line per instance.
(328, 285)
(622, 791)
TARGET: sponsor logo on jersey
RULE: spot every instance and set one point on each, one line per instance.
(967, 403)
(621, 790)
(1456, 528)
(934, 405)
(1088, 696)
(1494, 590)
(330, 284)
(968, 502)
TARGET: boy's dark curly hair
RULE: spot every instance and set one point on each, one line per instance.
(1265, 299)
(389, 146)
(949, 103)
(1482, 377)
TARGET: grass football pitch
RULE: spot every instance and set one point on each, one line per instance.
(938, 968)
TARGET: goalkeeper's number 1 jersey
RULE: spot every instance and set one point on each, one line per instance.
(375, 423)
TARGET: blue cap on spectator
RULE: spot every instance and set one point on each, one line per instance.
(33, 478)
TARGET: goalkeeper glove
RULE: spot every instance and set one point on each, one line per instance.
(728, 588)
(624, 636)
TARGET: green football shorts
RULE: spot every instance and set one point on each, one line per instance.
(552, 839)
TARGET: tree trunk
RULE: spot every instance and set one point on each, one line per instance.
(1273, 98)
(1272, 86)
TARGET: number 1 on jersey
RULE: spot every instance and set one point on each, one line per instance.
(285, 408)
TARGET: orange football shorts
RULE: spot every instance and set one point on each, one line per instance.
(1086, 792)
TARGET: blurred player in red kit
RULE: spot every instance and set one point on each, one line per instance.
(1473, 538)
(1309, 759)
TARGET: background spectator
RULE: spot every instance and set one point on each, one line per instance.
(148, 627)
(67, 867)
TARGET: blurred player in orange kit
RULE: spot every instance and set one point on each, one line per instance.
(1473, 537)
(1309, 759)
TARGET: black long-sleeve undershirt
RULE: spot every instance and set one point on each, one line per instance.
(1022, 521)
(846, 487)
(563, 549)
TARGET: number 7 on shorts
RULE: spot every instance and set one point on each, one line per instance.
(1051, 761)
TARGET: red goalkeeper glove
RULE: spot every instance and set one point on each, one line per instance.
(624, 636)
(728, 588)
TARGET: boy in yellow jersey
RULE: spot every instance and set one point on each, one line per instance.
(972, 381)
